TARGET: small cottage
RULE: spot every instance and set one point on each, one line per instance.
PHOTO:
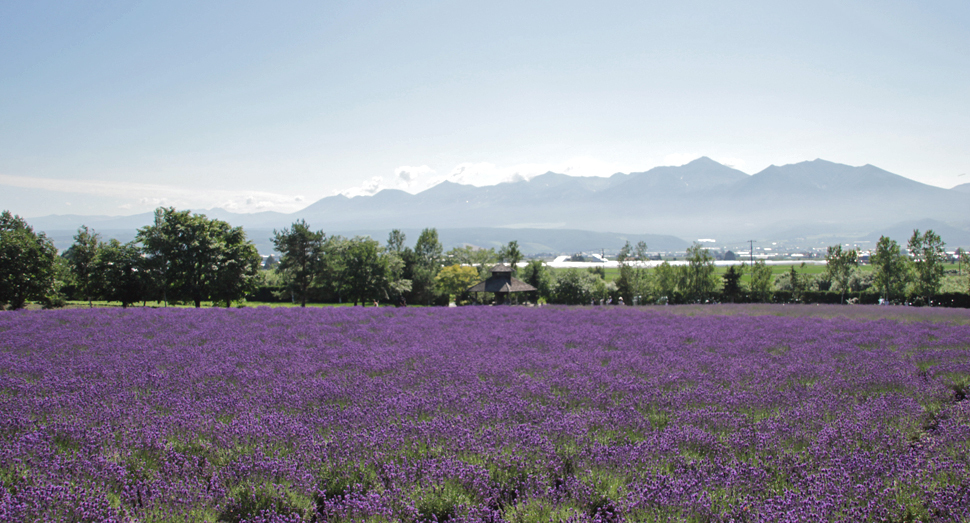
(502, 283)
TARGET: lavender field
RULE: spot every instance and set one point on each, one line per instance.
(483, 414)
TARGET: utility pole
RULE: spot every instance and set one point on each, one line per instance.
(751, 252)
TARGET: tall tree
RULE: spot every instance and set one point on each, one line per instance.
(423, 266)
(633, 281)
(537, 275)
(301, 253)
(237, 265)
(26, 262)
(119, 269)
(395, 241)
(188, 250)
(701, 280)
(929, 256)
(456, 279)
(666, 280)
(890, 267)
(839, 265)
(82, 257)
(511, 253)
(732, 282)
(365, 270)
(761, 281)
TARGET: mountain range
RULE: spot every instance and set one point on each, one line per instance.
(813, 201)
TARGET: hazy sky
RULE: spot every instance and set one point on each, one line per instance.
(116, 108)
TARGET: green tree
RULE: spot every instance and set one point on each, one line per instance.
(536, 274)
(82, 257)
(890, 267)
(666, 280)
(26, 263)
(118, 268)
(399, 286)
(839, 266)
(575, 287)
(633, 281)
(732, 282)
(301, 256)
(928, 259)
(366, 274)
(237, 265)
(762, 282)
(456, 279)
(423, 265)
(511, 253)
(701, 280)
(187, 251)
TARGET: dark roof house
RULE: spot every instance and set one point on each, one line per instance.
(501, 282)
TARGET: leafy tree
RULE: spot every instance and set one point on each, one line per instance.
(456, 279)
(399, 286)
(187, 251)
(481, 259)
(701, 280)
(890, 268)
(761, 281)
(511, 253)
(575, 287)
(26, 262)
(633, 280)
(395, 241)
(82, 257)
(732, 282)
(301, 253)
(423, 266)
(118, 268)
(536, 274)
(366, 273)
(666, 280)
(237, 265)
(839, 266)
(928, 259)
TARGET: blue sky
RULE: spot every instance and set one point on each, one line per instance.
(116, 108)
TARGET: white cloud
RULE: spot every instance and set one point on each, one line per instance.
(143, 196)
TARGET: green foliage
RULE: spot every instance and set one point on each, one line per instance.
(666, 279)
(699, 279)
(762, 282)
(82, 256)
(928, 259)
(536, 274)
(119, 269)
(198, 259)
(839, 266)
(365, 271)
(421, 266)
(301, 251)
(732, 283)
(26, 263)
(891, 268)
(511, 254)
(575, 287)
(633, 280)
(456, 279)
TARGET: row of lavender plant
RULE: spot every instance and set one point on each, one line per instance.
(480, 414)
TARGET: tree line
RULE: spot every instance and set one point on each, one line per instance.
(185, 258)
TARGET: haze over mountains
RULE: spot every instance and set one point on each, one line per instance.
(804, 202)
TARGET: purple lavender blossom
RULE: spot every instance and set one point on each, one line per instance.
(482, 414)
